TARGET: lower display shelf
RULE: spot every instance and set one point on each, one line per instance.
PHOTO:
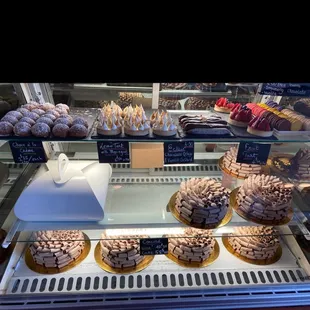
(161, 274)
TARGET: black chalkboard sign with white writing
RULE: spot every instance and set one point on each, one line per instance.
(113, 152)
(179, 152)
(253, 153)
(154, 246)
(286, 89)
(28, 151)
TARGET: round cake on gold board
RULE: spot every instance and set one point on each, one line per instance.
(234, 205)
(280, 164)
(172, 209)
(267, 261)
(265, 170)
(147, 260)
(53, 270)
(211, 259)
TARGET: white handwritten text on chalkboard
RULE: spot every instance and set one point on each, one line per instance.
(28, 152)
(113, 152)
(179, 152)
(253, 153)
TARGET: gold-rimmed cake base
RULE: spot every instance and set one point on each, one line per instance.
(142, 265)
(267, 261)
(211, 259)
(174, 212)
(265, 170)
(234, 205)
(53, 270)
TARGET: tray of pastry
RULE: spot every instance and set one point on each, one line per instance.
(134, 123)
(208, 126)
(47, 122)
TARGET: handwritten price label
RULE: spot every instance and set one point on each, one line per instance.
(253, 153)
(113, 152)
(28, 151)
(179, 152)
(154, 246)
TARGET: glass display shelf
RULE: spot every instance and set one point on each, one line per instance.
(237, 134)
(143, 206)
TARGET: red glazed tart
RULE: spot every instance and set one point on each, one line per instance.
(223, 105)
(240, 116)
(259, 126)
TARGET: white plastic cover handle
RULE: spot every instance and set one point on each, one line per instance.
(63, 163)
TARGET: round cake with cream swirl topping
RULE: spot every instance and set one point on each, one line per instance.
(195, 245)
(121, 251)
(202, 201)
(253, 242)
(57, 248)
(265, 197)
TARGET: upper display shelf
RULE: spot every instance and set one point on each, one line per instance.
(225, 122)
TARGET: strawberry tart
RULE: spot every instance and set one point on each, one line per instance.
(240, 116)
(259, 126)
(223, 105)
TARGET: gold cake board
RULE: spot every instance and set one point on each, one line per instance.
(147, 260)
(53, 270)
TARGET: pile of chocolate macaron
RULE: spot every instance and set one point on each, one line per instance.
(43, 121)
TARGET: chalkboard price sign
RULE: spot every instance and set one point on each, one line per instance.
(179, 152)
(253, 153)
(154, 246)
(28, 151)
(113, 152)
(286, 89)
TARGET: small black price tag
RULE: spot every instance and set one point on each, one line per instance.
(28, 151)
(179, 152)
(154, 246)
(253, 153)
(113, 152)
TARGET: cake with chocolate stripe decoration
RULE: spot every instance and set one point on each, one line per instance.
(300, 164)
(252, 242)
(121, 251)
(239, 169)
(265, 197)
(57, 248)
(202, 201)
(195, 245)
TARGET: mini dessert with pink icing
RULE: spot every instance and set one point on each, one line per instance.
(163, 124)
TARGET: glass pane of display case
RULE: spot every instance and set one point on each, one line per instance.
(221, 224)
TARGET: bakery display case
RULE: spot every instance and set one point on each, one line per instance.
(144, 200)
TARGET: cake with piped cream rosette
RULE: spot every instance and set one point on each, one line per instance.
(110, 120)
(202, 201)
(255, 242)
(194, 245)
(121, 251)
(135, 121)
(265, 197)
(163, 124)
(57, 248)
